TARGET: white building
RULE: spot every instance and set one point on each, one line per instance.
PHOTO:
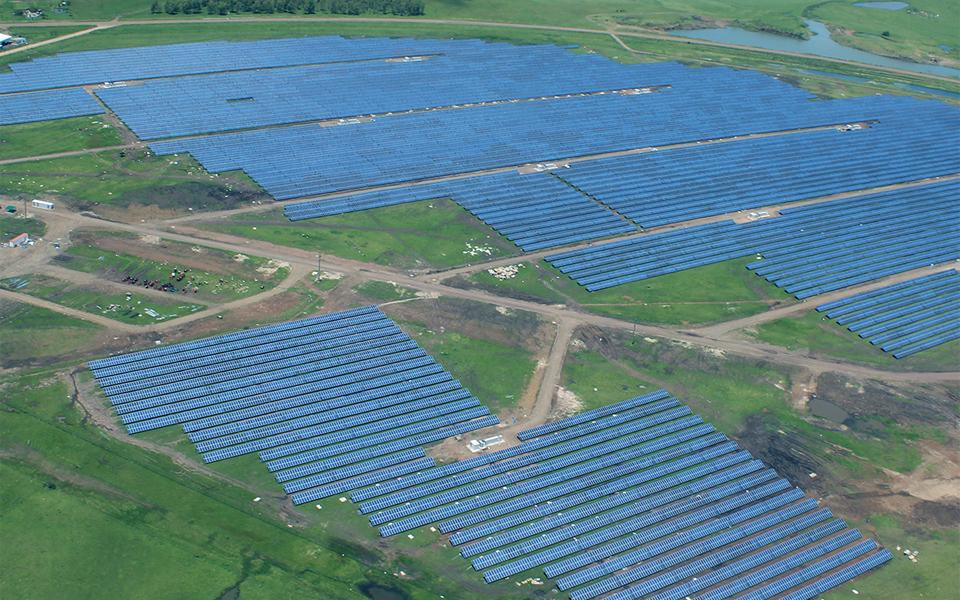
(42, 204)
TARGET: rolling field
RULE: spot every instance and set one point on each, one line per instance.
(31, 333)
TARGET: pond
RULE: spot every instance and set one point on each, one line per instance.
(883, 5)
(820, 44)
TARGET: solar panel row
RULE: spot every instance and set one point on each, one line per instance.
(219, 102)
(423, 145)
(658, 508)
(808, 250)
(349, 389)
(904, 318)
(173, 60)
(534, 211)
(673, 185)
(45, 106)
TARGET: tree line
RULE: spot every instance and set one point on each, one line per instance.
(404, 8)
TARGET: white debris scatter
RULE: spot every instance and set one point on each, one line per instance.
(503, 310)
(567, 403)
(328, 275)
(257, 499)
(504, 273)
(650, 340)
(478, 250)
(240, 257)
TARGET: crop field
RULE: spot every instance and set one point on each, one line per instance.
(517, 300)
(709, 294)
(392, 236)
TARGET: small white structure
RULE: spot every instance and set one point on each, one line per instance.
(42, 204)
(481, 445)
(4, 38)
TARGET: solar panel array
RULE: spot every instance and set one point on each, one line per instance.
(331, 403)
(674, 185)
(808, 250)
(481, 73)
(639, 499)
(45, 106)
(904, 318)
(534, 210)
(422, 145)
(172, 60)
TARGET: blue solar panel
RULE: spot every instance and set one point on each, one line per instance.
(44, 106)
(907, 317)
(809, 250)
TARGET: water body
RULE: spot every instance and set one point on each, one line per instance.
(828, 410)
(821, 44)
(883, 5)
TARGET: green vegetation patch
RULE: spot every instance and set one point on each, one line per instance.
(426, 234)
(63, 135)
(384, 291)
(11, 226)
(126, 307)
(30, 333)
(496, 373)
(924, 31)
(81, 500)
(707, 294)
(197, 272)
(125, 178)
(741, 397)
(820, 336)
(933, 575)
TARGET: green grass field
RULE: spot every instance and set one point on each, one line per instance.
(821, 337)
(50, 137)
(237, 279)
(120, 521)
(496, 373)
(708, 294)
(932, 576)
(120, 179)
(32, 333)
(126, 307)
(419, 235)
(728, 392)
(383, 291)
(11, 225)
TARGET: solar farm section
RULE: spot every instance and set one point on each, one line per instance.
(634, 500)
(904, 318)
(330, 402)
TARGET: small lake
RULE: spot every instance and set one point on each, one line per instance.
(882, 5)
(821, 44)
